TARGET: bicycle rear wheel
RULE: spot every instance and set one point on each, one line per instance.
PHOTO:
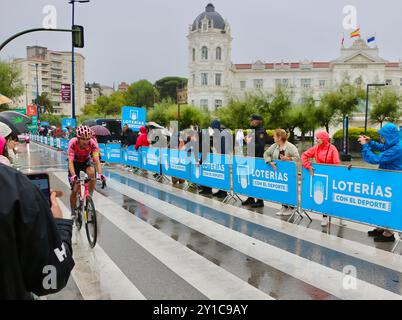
(91, 226)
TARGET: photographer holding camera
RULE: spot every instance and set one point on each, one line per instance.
(389, 158)
(35, 240)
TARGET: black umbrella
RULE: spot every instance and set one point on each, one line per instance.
(13, 128)
(16, 119)
(89, 123)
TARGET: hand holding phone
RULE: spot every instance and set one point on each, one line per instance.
(41, 180)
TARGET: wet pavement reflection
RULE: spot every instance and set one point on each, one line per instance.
(277, 284)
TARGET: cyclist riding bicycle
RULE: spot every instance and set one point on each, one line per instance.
(80, 150)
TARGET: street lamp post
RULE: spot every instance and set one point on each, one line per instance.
(72, 2)
(26, 95)
(367, 102)
(37, 92)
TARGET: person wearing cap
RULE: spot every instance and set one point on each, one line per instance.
(258, 137)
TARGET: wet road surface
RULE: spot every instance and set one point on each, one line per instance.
(292, 262)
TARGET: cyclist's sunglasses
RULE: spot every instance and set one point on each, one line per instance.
(85, 139)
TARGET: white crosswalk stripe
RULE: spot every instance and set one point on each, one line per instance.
(100, 275)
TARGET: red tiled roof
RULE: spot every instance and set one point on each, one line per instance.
(392, 65)
(321, 64)
(243, 66)
(269, 66)
(295, 65)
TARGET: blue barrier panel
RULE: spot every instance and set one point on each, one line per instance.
(175, 163)
(131, 157)
(150, 159)
(58, 143)
(51, 141)
(254, 178)
(102, 151)
(45, 140)
(65, 145)
(214, 172)
(42, 139)
(368, 196)
(113, 153)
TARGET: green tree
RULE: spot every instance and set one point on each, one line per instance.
(236, 114)
(46, 103)
(168, 86)
(10, 81)
(347, 99)
(385, 106)
(90, 110)
(103, 103)
(115, 102)
(277, 107)
(142, 94)
(325, 111)
(306, 116)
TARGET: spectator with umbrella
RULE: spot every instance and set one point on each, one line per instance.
(128, 137)
(101, 134)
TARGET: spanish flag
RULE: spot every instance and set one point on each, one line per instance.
(355, 33)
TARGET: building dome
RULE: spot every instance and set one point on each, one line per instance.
(212, 16)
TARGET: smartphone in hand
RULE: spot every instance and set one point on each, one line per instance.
(41, 180)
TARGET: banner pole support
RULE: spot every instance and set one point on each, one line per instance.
(397, 243)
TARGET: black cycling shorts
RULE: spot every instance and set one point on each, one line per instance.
(78, 167)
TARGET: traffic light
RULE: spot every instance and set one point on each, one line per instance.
(78, 36)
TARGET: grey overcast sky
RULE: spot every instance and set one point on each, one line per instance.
(128, 40)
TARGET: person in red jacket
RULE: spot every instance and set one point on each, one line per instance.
(323, 152)
(142, 140)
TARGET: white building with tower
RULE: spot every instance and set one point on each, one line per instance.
(214, 78)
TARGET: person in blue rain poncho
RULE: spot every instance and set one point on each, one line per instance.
(389, 158)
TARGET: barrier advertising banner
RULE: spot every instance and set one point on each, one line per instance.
(134, 117)
(369, 196)
(113, 153)
(214, 172)
(131, 157)
(175, 163)
(102, 151)
(150, 159)
(254, 178)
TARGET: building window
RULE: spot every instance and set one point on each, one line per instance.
(204, 79)
(388, 82)
(204, 53)
(401, 82)
(258, 83)
(204, 104)
(282, 82)
(306, 83)
(243, 85)
(193, 77)
(193, 54)
(205, 26)
(218, 53)
(218, 79)
(321, 84)
(218, 104)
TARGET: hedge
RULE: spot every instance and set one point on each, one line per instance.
(354, 134)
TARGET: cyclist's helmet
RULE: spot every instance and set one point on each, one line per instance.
(84, 132)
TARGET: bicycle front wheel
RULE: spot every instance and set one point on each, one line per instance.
(91, 226)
